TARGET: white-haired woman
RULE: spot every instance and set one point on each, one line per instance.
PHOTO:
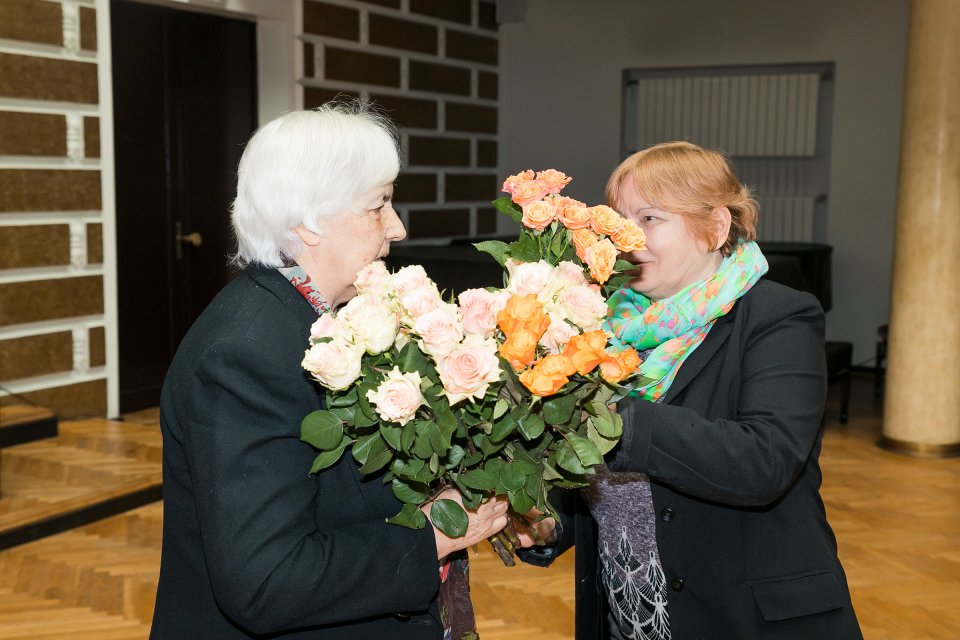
(252, 545)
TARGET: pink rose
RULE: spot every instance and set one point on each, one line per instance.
(374, 323)
(398, 397)
(440, 330)
(335, 364)
(558, 334)
(417, 302)
(529, 277)
(479, 308)
(373, 278)
(583, 305)
(468, 370)
(409, 278)
(553, 181)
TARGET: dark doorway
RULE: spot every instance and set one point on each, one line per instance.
(184, 103)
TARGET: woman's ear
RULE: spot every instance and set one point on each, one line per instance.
(721, 221)
(307, 237)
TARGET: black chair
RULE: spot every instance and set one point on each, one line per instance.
(806, 267)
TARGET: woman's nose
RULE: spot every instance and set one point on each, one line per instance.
(395, 229)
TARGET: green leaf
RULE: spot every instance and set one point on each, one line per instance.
(512, 477)
(495, 248)
(478, 479)
(604, 421)
(342, 399)
(329, 458)
(472, 500)
(558, 242)
(473, 459)
(412, 359)
(493, 466)
(392, 435)
(368, 445)
(623, 265)
(410, 516)
(409, 469)
(427, 433)
(520, 501)
(322, 429)
(411, 492)
(559, 409)
(502, 428)
(346, 414)
(568, 459)
(500, 408)
(434, 463)
(587, 451)
(532, 426)
(449, 517)
(376, 461)
(407, 436)
(507, 206)
(604, 444)
(454, 456)
(550, 472)
(487, 446)
(526, 248)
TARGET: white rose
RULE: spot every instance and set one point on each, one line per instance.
(529, 277)
(336, 364)
(570, 271)
(584, 306)
(468, 370)
(440, 330)
(373, 322)
(398, 397)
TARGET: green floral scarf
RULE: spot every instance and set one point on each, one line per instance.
(670, 329)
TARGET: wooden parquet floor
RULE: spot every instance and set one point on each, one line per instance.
(897, 521)
(89, 463)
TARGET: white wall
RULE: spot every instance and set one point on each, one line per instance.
(560, 106)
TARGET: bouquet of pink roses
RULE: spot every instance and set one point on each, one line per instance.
(505, 392)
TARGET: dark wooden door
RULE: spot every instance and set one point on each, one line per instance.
(184, 104)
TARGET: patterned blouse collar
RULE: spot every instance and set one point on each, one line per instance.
(299, 279)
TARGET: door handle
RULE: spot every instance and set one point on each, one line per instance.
(194, 239)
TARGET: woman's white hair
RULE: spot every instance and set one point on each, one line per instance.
(304, 166)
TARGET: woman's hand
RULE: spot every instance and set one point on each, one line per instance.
(534, 530)
(489, 518)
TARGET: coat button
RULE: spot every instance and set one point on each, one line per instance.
(667, 515)
(677, 584)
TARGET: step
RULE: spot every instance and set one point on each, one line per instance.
(20, 423)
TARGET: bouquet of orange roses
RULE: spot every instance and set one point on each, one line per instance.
(503, 392)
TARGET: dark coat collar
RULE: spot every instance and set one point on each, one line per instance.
(277, 284)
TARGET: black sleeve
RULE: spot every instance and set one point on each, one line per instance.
(753, 459)
(271, 566)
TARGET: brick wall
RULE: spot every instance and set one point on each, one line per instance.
(52, 335)
(432, 65)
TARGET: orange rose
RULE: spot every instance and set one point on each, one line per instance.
(605, 220)
(620, 365)
(630, 238)
(600, 258)
(583, 239)
(539, 214)
(513, 182)
(520, 349)
(523, 313)
(572, 213)
(587, 351)
(553, 181)
(548, 376)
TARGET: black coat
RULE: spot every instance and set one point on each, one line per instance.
(252, 545)
(732, 453)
